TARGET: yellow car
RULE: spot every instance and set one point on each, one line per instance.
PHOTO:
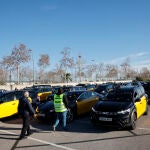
(42, 91)
(43, 95)
(9, 103)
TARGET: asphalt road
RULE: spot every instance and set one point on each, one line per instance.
(82, 135)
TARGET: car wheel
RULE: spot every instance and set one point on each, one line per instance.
(133, 121)
(70, 116)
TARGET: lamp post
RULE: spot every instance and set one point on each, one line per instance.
(79, 68)
(32, 65)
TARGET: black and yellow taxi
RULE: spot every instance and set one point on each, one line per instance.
(121, 107)
(43, 91)
(80, 102)
(9, 101)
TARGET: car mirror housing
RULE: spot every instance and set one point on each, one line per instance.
(137, 99)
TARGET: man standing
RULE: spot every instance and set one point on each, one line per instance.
(25, 110)
(61, 106)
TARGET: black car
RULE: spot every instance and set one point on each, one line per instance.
(104, 88)
(146, 86)
(80, 102)
(121, 107)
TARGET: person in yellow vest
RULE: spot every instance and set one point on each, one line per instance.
(61, 106)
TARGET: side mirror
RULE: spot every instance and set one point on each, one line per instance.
(137, 99)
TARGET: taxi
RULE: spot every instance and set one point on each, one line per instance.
(9, 103)
(121, 107)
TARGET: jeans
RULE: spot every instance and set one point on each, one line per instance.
(61, 116)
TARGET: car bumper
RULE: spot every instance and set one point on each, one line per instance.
(108, 120)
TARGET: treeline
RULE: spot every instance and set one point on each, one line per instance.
(15, 68)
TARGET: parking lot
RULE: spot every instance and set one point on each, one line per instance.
(82, 135)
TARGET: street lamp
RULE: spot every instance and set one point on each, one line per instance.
(32, 66)
(79, 68)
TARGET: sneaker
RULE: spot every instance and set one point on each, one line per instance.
(53, 128)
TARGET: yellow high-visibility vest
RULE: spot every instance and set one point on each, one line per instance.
(58, 103)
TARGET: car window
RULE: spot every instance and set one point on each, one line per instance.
(139, 92)
(7, 97)
(136, 95)
(83, 96)
(142, 90)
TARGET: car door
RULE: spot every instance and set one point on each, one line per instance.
(8, 106)
(143, 100)
(85, 102)
(138, 103)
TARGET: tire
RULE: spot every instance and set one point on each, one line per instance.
(133, 121)
(70, 116)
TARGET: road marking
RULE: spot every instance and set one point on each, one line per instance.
(41, 141)
(144, 128)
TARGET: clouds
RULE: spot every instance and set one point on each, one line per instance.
(140, 59)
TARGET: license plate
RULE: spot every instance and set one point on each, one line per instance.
(41, 115)
(105, 119)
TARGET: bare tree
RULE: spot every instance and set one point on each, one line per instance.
(2, 76)
(26, 74)
(112, 71)
(145, 73)
(91, 70)
(100, 71)
(20, 55)
(9, 65)
(43, 62)
(66, 61)
(125, 67)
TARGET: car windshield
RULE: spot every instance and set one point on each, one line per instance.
(101, 88)
(119, 96)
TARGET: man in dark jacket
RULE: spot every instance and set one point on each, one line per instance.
(25, 110)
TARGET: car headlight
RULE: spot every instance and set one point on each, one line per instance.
(124, 111)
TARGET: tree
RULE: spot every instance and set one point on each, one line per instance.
(145, 73)
(2, 76)
(43, 62)
(26, 74)
(112, 71)
(9, 65)
(20, 54)
(66, 61)
(125, 66)
(100, 71)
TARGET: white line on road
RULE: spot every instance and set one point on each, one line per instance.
(144, 128)
(41, 141)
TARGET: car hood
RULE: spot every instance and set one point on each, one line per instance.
(111, 106)
(46, 106)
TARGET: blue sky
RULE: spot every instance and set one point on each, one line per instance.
(107, 31)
